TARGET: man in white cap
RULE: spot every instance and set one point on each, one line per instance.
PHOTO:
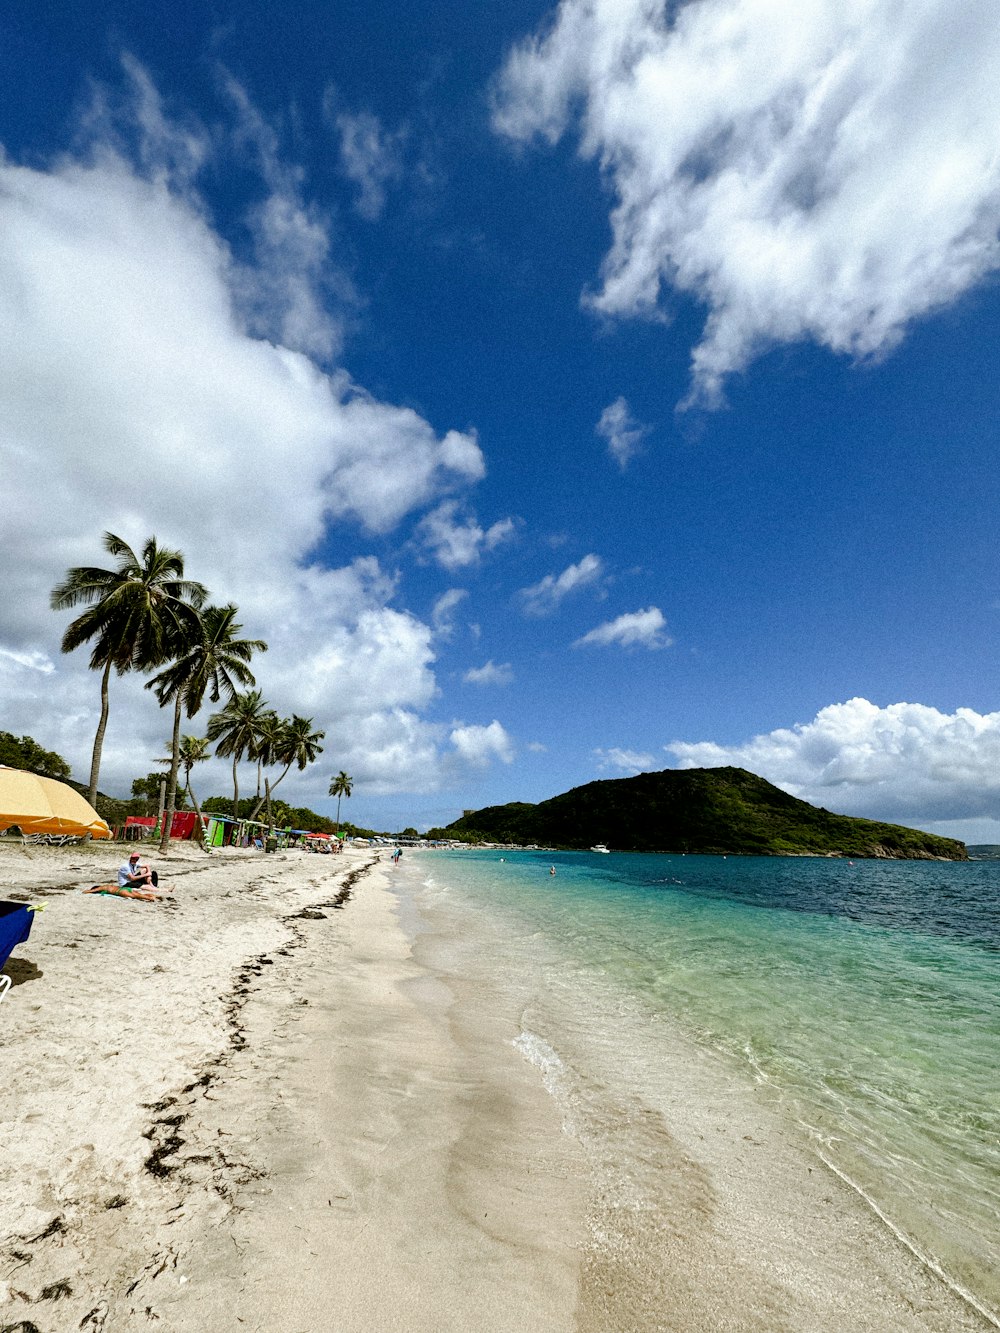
(134, 874)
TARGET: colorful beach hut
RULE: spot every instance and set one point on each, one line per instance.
(38, 805)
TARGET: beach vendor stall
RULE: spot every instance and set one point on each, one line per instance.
(42, 806)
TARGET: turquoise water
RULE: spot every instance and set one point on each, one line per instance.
(865, 997)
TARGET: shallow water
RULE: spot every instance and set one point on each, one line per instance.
(864, 997)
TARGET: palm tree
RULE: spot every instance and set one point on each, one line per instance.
(133, 610)
(191, 750)
(207, 657)
(296, 743)
(341, 785)
(233, 731)
(265, 750)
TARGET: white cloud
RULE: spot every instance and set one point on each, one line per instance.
(370, 157)
(285, 292)
(629, 761)
(491, 673)
(33, 661)
(456, 540)
(621, 430)
(389, 751)
(635, 629)
(135, 396)
(808, 169)
(443, 611)
(536, 747)
(906, 762)
(544, 597)
(477, 747)
(131, 122)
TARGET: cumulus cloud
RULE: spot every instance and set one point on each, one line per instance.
(621, 430)
(491, 673)
(455, 539)
(478, 747)
(628, 761)
(905, 762)
(370, 157)
(545, 597)
(807, 169)
(136, 395)
(635, 629)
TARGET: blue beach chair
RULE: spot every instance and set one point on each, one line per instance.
(15, 927)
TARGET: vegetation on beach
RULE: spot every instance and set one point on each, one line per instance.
(144, 615)
(204, 655)
(341, 785)
(25, 753)
(722, 811)
(136, 614)
(284, 816)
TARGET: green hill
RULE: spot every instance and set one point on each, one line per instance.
(720, 811)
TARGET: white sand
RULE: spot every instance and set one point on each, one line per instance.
(343, 1137)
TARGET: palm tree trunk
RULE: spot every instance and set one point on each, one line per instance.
(197, 809)
(236, 791)
(338, 814)
(175, 747)
(268, 788)
(95, 762)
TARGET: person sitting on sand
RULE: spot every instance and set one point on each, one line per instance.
(136, 874)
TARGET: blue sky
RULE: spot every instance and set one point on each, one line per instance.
(561, 392)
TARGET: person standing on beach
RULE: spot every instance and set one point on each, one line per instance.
(135, 873)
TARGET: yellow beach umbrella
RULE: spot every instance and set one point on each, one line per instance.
(42, 805)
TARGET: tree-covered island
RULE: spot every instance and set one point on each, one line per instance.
(714, 811)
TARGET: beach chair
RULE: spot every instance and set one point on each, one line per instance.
(15, 927)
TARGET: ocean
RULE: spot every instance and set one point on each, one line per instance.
(861, 1000)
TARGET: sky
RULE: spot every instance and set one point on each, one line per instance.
(562, 392)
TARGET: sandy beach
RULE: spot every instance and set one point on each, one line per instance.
(267, 1105)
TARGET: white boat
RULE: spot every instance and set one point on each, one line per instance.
(600, 847)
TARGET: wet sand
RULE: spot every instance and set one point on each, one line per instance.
(253, 1109)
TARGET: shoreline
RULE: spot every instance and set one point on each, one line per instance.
(751, 1227)
(235, 1110)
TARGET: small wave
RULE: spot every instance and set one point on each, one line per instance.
(555, 1076)
(920, 1255)
(760, 1074)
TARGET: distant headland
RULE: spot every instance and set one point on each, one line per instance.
(712, 811)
